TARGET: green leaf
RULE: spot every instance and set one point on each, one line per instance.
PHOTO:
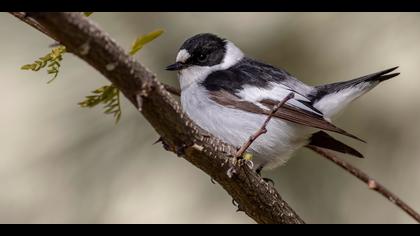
(51, 61)
(87, 14)
(144, 39)
(109, 96)
(27, 67)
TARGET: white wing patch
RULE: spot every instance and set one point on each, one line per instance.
(275, 91)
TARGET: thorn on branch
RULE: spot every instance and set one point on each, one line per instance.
(165, 145)
(158, 141)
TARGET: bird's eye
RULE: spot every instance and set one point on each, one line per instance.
(202, 57)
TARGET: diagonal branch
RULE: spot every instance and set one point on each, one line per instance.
(372, 184)
(257, 199)
(214, 148)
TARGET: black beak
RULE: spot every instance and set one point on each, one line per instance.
(176, 66)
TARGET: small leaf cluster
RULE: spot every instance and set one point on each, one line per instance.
(51, 61)
(108, 95)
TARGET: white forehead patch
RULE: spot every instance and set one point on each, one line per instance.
(182, 56)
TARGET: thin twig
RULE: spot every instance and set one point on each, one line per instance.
(263, 128)
(371, 183)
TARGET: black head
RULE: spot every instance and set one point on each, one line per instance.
(201, 50)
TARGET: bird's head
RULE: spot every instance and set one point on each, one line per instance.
(202, 54)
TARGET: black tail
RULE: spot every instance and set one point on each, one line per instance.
(380, 76)
(330, 99)
(323, 140)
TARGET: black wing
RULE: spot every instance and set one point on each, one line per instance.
(249, 73)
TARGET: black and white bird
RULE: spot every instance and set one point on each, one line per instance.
(229, 95)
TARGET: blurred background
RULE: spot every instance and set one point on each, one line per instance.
(60, 163)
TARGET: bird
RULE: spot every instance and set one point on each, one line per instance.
(230, 94)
